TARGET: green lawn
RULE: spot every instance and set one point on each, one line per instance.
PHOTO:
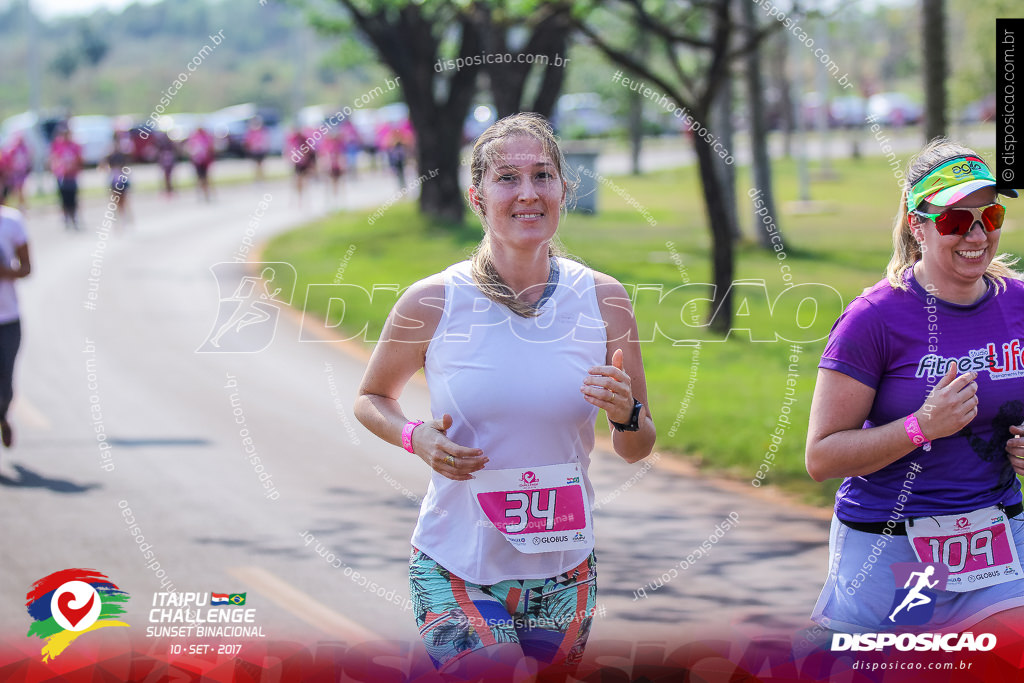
(738, 385)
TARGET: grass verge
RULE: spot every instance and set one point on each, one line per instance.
(719, 403)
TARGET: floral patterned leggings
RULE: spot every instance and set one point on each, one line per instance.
(549, 618)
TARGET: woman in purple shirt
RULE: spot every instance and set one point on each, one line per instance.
(919, 395)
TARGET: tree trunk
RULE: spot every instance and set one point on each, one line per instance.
(721, 236)
(721, 124)
(636, 109)
(550, 88)
(406, 43)
(787, 116)
(441, 196)
(636, 132)
(821, 120)
(695, 92)
(934, 68)
(439, 140)
(508, 80)
(760, 162)
(551, 39)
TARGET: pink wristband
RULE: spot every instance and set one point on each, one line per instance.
(913, 429)
(407, 434)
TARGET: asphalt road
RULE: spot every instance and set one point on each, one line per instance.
(124, 365)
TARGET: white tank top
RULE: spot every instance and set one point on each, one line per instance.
(512, 387)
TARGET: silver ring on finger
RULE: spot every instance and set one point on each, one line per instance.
(450, 460)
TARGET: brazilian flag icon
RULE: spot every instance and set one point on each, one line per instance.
(237, 598)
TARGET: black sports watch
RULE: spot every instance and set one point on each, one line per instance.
(634, 419)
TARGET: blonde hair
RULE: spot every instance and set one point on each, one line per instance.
(486, 152)
(906, 251)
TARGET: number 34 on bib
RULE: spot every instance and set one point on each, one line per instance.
(538, 509)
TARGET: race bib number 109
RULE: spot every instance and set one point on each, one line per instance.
(978, 547)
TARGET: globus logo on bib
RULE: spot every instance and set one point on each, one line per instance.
(537, 540)
(918, 642)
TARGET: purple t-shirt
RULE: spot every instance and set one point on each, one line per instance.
(900, 343)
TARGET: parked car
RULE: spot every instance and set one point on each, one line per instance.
(365, 123)
(229, 126)
(811, 106)
(582, 115)
(982, 111)
(95, 135)
(848, 111)
(143, 142)
(179, 127)
(893, 109)
(38, 132)
(313, 115)
(372, 125)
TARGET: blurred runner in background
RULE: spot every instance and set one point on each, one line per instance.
(303, 158)
(166, 158)
(201, 153)
(257, 144)
(117, 168)
(333, 149)
(65, 164)
(14, 264)
(17, 164)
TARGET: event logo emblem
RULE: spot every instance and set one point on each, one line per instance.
(914, 603)
(68, 603)
(250, 306)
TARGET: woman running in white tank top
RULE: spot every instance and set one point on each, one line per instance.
(521, 349)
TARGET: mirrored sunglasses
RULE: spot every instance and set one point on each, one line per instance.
(959, 221)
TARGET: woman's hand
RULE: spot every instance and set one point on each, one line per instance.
(952, 404)
(1015, 449)
(608, 387)
(431, 443)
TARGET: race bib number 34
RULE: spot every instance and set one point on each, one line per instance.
(540, 509)
(978, 547)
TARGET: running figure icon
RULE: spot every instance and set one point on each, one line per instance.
(250, 295)
(249, 306)
(915, 597)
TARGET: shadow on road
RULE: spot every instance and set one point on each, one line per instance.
(29, 479)
(252, 547)
(157, 441)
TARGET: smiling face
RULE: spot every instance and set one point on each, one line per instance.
(520, 194)
(956, 261)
